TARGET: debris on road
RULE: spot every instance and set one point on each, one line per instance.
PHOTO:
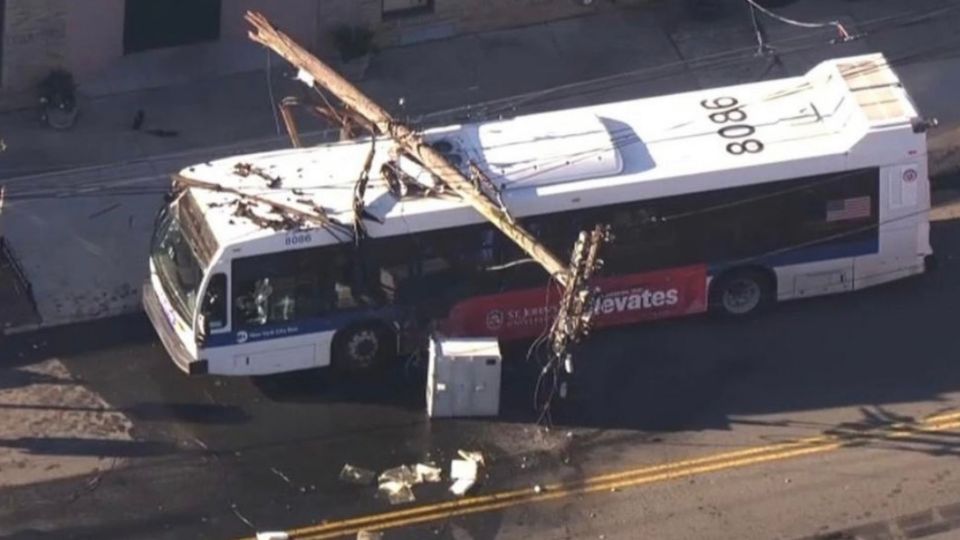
(464, 471)
(403, 474)
(369, 535)
(279, 473)
(356, 475)
(397, 492)
(428, 473)
(472, 456)
(241, 517)
(398, 482)
(273, 535)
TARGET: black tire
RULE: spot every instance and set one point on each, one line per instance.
(742, 293)
(363, 349)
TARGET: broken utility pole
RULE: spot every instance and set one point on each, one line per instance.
(575, 308)
(409, 140)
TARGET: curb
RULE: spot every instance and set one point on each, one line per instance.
(32, 327)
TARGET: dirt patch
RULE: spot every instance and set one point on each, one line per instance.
(54, 427)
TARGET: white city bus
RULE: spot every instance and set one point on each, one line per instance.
(730, 198)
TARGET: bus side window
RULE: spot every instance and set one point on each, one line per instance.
(214, 307)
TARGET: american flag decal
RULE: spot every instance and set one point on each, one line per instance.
(854, 208)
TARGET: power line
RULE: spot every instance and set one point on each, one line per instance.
(834, 23)
(709, 61)
(621, 139)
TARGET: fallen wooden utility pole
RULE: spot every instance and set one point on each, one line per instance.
(409, 140)
(576, 303)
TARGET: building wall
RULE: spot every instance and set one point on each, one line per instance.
(94, 35)
(296, 17)
(34, 40)
(86, 36)
(446, 18)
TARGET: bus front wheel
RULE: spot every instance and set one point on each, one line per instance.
(740, 293)
(362, 349)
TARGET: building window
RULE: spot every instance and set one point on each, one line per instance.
(403, 8)
(152, 24)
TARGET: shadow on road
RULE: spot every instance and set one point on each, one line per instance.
(401, 386)
(64, 341)
(193, 413)
(141, 527)
(17, 378)
(891, 344)
(75, 446)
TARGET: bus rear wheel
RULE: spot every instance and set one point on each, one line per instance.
(362, 349)
(741, 293)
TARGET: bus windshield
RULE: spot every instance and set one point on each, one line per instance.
(177, 265)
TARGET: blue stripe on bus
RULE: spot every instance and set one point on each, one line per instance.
(304, 326)
(336, 321)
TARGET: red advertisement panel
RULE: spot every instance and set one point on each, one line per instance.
(622, 300)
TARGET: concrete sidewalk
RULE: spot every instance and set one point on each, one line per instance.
(82, 234)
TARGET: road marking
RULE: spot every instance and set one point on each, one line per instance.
(624, 479)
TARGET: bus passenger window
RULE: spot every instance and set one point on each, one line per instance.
(214, 307)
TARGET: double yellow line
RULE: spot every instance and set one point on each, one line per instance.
(623, 479)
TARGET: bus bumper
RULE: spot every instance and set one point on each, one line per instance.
(175, 348)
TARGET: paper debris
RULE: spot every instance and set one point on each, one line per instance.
(369, 535)
(403, 474)
(397, 492)
(471, 456)
(273, 535)
(464, 475)
(427, 473)
(356, 475)
(462, 486)
(462, 468)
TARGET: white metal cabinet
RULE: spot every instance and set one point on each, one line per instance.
(463, 378)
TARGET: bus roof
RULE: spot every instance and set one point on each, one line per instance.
(843, 114)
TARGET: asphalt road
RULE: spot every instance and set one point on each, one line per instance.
(694, 419)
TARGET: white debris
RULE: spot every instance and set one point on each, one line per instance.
(397, 483)
(463, 472)
(369, 535)
(471, 456)
(273, 535)
(356, 475)
(403, 474)
(306, 78)
(463, 468)
(461, 486)
(397, 492)
(427, 473)
(279, 473)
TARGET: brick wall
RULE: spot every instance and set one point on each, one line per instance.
(448, 17)
(85, 36)
(34, 41)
